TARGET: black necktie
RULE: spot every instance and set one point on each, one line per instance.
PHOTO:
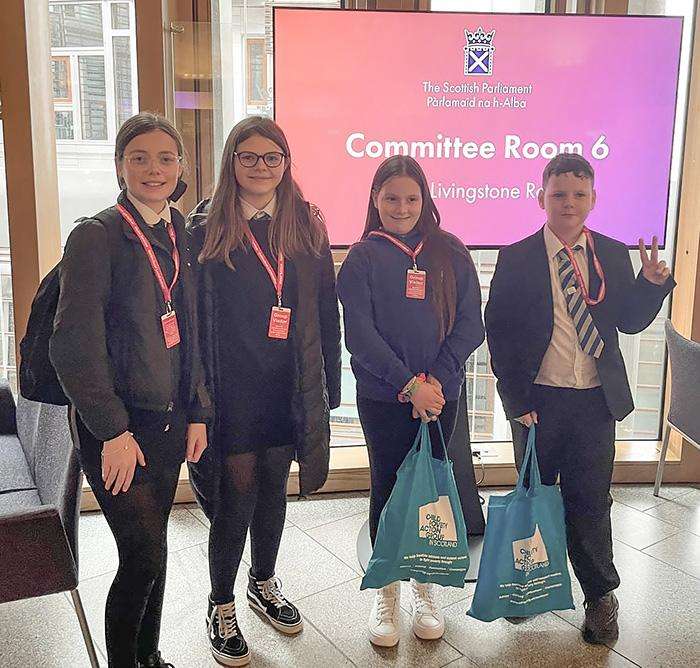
(160, 231)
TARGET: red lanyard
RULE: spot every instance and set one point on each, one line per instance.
(413, 254)
(579, 277)
(278, 278)
(157, 271)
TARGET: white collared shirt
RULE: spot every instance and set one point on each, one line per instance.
(565, 364)
(150, 217)
(250, 212)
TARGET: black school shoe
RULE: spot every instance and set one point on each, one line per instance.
(155, 660)
(601, 626)
(266, 598)
(227, 644)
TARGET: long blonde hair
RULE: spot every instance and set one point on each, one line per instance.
(292, 229)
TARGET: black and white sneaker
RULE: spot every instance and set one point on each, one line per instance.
(266, 598)
(228, 646)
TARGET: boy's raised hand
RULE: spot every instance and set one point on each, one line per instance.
(653, 270)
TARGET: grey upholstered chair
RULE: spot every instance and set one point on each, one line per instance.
(40, 484)
(684, 411)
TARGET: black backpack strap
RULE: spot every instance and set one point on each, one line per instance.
(112, 222)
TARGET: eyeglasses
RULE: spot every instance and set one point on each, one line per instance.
(164, 160)
(250, 159)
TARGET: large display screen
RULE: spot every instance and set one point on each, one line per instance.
(482, 101)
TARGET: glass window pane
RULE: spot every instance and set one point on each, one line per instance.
(7, 369)
(482, 427)
(11, 359)
(93, 100)
(86, 177)
(122, 79)
(646, 423)
(12, 379)
(647, 397)
(64, 125)
(482, 359)
(8, 315)
(485, 388)
(60, 70)
(75, 24)
(649, 373)
(257, 71)
(651, 350)
(120, 16)
(346, 423)
(6, 279)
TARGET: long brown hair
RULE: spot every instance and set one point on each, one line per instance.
(292, 229)
(439, 245)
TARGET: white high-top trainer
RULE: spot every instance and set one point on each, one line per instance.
(384, 617)
(428, 620)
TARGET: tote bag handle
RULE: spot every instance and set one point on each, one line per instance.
(423, 442)
(530, 464)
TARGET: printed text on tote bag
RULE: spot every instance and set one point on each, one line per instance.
(436, 523)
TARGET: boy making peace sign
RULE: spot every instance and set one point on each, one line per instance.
(558, 299)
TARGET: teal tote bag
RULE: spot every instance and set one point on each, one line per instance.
(523, 569)
(421, 531)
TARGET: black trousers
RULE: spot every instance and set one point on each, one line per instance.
(138, 519)
(390, 431)
(576, 441)
(252, 495)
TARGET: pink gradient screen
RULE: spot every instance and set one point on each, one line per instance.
(482, 101)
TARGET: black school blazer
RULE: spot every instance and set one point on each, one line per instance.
(519, 318)
(316, 339)
(107, 346)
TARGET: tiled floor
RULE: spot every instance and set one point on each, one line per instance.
(657, 551)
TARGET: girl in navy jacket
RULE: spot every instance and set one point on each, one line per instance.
(412, 309)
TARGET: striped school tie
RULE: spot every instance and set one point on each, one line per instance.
(588, 336)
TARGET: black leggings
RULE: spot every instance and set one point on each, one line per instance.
(139, 521)
(252, 494)
(390, 431)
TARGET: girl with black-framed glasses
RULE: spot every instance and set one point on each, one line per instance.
(269, 316)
